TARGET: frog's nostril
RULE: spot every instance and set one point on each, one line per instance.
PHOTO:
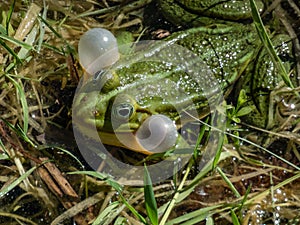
(158, 133)
(97, 49)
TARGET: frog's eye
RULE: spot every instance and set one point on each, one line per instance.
(123, 108)
(123, 111)
(97, 49)
(158, 133)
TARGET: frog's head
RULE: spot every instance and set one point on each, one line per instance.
(120, 116)
(110, 108)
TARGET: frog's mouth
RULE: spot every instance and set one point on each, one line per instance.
(158, 133)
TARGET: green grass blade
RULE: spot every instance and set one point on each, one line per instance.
(18, 130)
(245, 197)
(21, 94)
(9, 15)
(268, 44)
(42, 28)
(103, 177)
(5, 154)
(15, 41)
(199, 215)
(105, 213)
(228, 182)
(9, 50)
(53, 48)
(219, 150)
(234, 218)
(199, 138)
(63, 150)
(7, 189)
(30, 39)
(2, 29)
(120, 221)
(50, 27)
(150, 202)
(133, 210)
(209, 221)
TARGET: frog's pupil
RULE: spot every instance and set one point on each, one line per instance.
(124, 111)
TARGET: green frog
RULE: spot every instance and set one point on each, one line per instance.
(140, 101)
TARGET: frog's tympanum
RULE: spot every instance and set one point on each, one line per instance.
(151, 92)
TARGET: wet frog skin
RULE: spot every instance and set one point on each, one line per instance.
(193, 13)
(132, 92)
